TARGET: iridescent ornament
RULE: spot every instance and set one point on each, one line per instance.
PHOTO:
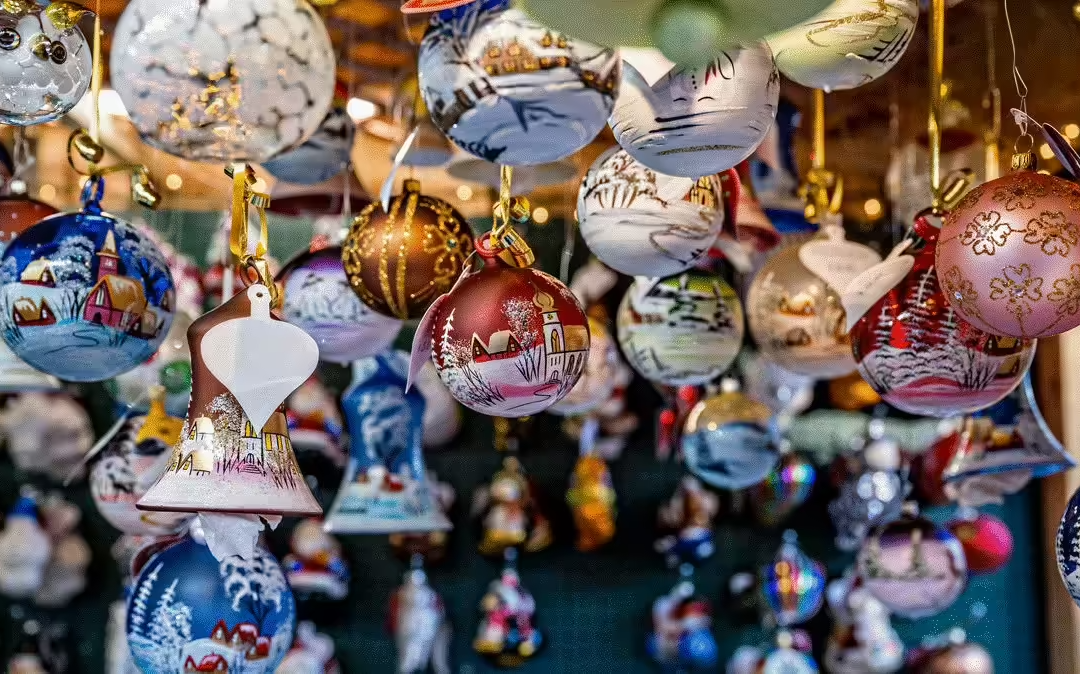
(1006, 256)
(922, 358)
(784, 489)
(45, 61)
(318, 299)
(851, 43)
(683, 330)
(914, 567)
(507, 340)
(510, 90)
(85, 296)
(795, 314)
(793, 586)
(727, 441)
(987, 541)
(223, 80)
(638, 221)
(189, 612)
(699, 121)
(400, 260)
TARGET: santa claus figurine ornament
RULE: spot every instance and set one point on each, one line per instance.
(508, 340)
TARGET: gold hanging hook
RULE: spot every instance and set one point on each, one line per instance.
(243, 177)
(80, 144)
(823, 191)
(937, 70)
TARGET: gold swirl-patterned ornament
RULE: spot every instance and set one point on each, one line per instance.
(400, 260)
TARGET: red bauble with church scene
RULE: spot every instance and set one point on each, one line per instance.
(922, 358)
(507, 340)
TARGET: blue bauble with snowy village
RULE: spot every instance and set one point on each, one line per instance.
(188, 612)
(1068, 547)
(85, 296)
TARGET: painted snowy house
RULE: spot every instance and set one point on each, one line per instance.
(243, 638)
(39, 273)
(116, 301)
(209, 663)
(501, 345)
(565, 346)
(253, 454)
(26, 312)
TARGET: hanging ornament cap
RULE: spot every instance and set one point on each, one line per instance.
(82, 144)
(1023, 161)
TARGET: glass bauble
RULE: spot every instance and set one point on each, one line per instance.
(45, 68)
(399, 261)
(188, 612)
(321, 157)
(1007, 256)
(17, 213)
(922, 358)
(851, 43)
(727, 441)
(1068, 547)
(223, 80)
(867, 499)
(699, 121)
(683, 330)
(319, 300)
(85, 296)
(511, 91)
(797, 319)
(987, 541)
(640, 222)
(793, 586)
(914, 567)
(785, 488)
(962, 658)
(597, 383)
(509, 341)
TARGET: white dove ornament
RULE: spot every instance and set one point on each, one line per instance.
(260, 360)
(694, 122)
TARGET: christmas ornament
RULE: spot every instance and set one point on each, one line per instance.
(1068, 547)
(592, 501)
(862, 640)
(25, 552)
(19, 213)
(169, 368)
(315, 567)
(46, 434)
(638, 221)
(385, 488)
(507, 340)
(681, 638)
(959, 657)
(727, 440)
(920, 356)
(987, 541)
(340, 194)
(849, 44)
(223, 81)
(796, 316)
(784, 489)
(1005, 256)
(429, 545)
(134, 459)
(318, 299)
(872, 493)
(681, 330)
(189, 612)
(688, 516)
(698, 121)
(785, 658)
(18, 377)
(507, 633)
(312, 653)
(419, 624)
(400, 260)
(510, 90)
(851, 393)
(442, 414)
(84, 295)
(914, 567)
(793, 586)
(315, 423)
(783, 391)
(65, 574)
(322, 156)
(510, 512)
(45, 61)
(687, 33)
(597, 383)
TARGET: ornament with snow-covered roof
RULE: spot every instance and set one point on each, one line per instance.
(316, 567)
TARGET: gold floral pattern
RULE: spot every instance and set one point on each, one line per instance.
(960, 292)
(1053, 232)
(986, 232)
(1066, 292)
(1018, 288)
(1019, 194)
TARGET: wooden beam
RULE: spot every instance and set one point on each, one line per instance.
(1057, 386)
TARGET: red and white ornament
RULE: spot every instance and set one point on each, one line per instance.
(1007, 256)
(507, 340)
(987, 541)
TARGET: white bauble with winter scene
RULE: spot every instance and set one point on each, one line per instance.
(188, 612)
(684, 330)
(511, 91)
(1068, 547)
(85, 296)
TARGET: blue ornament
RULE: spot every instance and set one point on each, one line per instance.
(386, 489)
(729, 441)
(189, 612)
(1068, 547)
(85, 296)
(698, 649)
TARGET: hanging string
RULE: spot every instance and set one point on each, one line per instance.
(1021, 87)
(819, 129)
(95, 79)
(823, 191)
(243, 177)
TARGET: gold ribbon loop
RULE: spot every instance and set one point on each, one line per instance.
(243, 177)
(506, 243)
(143, 191)
(823, 194)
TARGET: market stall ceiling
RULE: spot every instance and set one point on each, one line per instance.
(376, 51)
